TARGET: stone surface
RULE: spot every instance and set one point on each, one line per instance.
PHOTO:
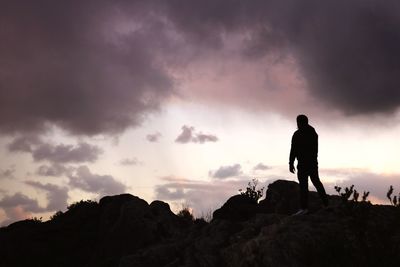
(126, 231)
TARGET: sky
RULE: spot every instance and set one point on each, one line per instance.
(187, 101)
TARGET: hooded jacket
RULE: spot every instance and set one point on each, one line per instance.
(304, 147)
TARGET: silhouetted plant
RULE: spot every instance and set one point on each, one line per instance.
(351, 191)
(355, 195)
(185, 214)
(36, 219)
(252, 192)
(207, 216)
(82, 203)
(56, 215)
(365, 196)
(395, 201)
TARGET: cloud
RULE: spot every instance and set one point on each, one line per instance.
(102, 73)
(129, 161)
(186, 136)
(261, 167)
(87, 181)
(346, 52)
(18, 207)
(55, 170)
(57, 196)
(153, 137)
(24, 143)
(86, 72)
(61, 153)
(364, 180)
(189, 135)
(202, 138)
(191, 192)
(227, 171)
(167, 193)
(7, 173)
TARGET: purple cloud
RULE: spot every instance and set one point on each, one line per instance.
(101, 72)
(61, 153)
(189, 135)
(19, 206)
(88, 74)
(57, 196)
(227, 171)
(7, 173)
(87, 181)
(192, 192)
(55, 170)
(261, 167)
(129, 162)
(153, 137)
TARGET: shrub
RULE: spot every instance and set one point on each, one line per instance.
(395, 200)
(35, 219)
(82, 203)
(56, 215)
(252, 192)
(349, 192)
(185, 214)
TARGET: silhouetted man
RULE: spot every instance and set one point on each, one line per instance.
(305, 149)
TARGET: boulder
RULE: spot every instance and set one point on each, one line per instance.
(237, 208)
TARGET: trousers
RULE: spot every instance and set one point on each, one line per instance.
(303, 172)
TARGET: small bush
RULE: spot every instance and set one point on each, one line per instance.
(395, 200)
(36, 219)
(351, 194)
(82, 203)
(185, 214)
(56, 215)
(252, 192)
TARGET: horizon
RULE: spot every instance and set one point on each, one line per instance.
(186, 102)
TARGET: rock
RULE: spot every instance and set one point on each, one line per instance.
(335, 238)
(237, 208)
(126, 231)
(283, 197)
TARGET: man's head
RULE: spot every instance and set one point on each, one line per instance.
(302, 121)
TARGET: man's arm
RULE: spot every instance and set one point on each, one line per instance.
(292, 155)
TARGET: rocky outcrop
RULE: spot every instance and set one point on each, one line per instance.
(126, 231)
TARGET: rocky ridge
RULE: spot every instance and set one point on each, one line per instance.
(126, 231)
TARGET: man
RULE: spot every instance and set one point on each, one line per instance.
(305, 149)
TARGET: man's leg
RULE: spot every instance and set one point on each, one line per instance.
(314, 176)
(302, 176)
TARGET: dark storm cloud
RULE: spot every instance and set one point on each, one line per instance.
(87, 181)
(61, 153)
(24, 143)
(94, 67)
(189, 135)
(347, 50)
(89, 67)
(227, 171)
